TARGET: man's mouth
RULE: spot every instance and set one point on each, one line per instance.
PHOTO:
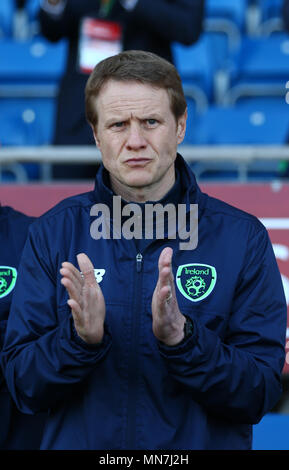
(135, 162)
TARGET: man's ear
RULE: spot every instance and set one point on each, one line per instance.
(94, 130)
(181, 127)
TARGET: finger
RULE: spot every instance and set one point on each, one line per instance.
(166, 262)
(69, 267)
(165, 266)
(165, 295)
(87, 269)
(75, 307)
(164, 277)
(67, 273)
(71, 280)
(165, 258)
(76, 313)
(73, 291)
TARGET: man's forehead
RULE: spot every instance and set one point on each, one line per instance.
(131, 92)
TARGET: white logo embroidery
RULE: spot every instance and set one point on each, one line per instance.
(99, 273)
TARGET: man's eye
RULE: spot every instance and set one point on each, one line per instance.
(119, 125)
(151, 122)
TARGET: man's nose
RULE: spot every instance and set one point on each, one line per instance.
(135, 139)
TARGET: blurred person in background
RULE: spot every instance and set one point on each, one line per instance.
(149, 25)
(285, 14)
(18, 431)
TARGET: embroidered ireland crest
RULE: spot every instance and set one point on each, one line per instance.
(196, 281)
(8, 277)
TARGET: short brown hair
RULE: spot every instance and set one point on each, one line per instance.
(144, 67)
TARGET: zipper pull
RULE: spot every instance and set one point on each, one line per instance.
(138, 262)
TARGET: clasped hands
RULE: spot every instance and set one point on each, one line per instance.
(88, 306)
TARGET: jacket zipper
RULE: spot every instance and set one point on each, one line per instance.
(133, 362)
(138, 262)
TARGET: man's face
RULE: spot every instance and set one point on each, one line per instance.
(138, 135)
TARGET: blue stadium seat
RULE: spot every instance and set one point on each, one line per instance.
(30, 72)
(234, 11)
(270, 17)
(270, 9)
(27, 122)
(32, 8)
(250, 123)
(260, 68)
(272, 433)
(196, 66)
(36, 63)
(8, 9)
(225, 21)
(6, 17)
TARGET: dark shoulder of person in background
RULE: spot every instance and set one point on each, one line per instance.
(18, 431)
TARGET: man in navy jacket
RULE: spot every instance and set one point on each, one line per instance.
(130, 338)
(17, 430)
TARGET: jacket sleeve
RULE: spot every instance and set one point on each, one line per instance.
(42, 358)
(66, 24)
(3, 325)
(181, 20)
(238, 377)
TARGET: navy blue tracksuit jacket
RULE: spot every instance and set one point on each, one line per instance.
(17, 430)
(131, 391)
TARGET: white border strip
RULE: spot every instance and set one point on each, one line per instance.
(276, 223)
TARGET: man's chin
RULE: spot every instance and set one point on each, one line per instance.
(137, 179)
(138, 183)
